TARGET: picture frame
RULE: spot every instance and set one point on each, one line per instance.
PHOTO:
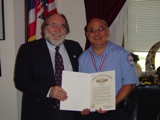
(0, 64)
(2, 26)
(0, 69)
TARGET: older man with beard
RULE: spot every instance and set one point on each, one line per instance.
(34, 72)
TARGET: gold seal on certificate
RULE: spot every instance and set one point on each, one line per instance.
(92, 106)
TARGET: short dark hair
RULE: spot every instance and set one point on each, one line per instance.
(46, 19)
(158, 70)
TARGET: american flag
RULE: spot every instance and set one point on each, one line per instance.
(38, 10)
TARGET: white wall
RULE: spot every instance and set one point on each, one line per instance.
(14, 34)
(10, 98)
(75, 14)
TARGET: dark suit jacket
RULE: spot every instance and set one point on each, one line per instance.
(34, 75)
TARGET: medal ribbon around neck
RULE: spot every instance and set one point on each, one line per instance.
(94, 64)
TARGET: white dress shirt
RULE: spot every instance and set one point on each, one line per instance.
(64, 54)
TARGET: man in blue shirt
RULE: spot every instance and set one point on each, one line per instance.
(103, 55)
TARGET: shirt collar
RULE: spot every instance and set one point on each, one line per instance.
(104, 52)
(52, 47)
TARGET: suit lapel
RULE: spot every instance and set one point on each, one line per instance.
(72, 56)
(46, 61)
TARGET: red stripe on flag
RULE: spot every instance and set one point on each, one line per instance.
(41, 11)
(53, 11)
(31, 29)
(50, 1)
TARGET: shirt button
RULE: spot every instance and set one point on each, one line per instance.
(54, 106)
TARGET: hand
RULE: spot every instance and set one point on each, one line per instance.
(100, 111)
(58, 93)
(85, 111)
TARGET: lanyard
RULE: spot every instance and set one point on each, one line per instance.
(94, 64)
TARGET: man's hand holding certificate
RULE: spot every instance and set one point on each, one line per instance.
(93, 91)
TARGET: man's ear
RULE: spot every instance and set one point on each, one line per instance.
(108, 32)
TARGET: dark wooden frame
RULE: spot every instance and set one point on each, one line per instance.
(26, 19)
(0, 69)
(2, 26)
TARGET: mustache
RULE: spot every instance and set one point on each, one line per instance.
(56, 33)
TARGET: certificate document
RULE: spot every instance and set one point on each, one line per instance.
(84, 90)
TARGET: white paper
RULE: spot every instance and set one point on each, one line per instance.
(81, 89)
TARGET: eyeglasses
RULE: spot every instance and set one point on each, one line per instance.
(53, 25)
(101, 29)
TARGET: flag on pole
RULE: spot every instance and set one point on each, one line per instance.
(38, 10)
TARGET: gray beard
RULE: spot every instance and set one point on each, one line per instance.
(54, 42)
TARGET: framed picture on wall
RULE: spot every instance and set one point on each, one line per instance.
(0, 68)
(0, 64)
(2, 29)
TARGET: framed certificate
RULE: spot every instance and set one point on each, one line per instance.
(93, 91)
